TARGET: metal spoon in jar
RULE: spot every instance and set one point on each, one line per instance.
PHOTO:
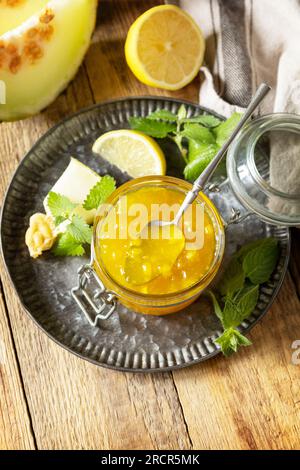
(135, 272)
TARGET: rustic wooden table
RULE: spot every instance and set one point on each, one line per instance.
(50, 399)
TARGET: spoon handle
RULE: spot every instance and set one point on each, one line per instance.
(200, 182)
(261, 92)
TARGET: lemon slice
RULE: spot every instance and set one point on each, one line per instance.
(165, 47)
(131, 151)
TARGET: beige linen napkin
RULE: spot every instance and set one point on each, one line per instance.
(250, 41)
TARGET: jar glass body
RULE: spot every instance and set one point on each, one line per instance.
(163, 303)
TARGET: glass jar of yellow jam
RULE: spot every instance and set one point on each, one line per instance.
(173, 272)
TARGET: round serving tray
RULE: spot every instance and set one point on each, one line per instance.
(128, 340)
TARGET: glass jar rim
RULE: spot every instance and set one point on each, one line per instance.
(130, 185)
(282, 122)
(241, 152)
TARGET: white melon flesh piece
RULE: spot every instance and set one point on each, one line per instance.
(75, 183)
(15, 12)
(39, 57)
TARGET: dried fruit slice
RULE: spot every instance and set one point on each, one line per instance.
(39, 57)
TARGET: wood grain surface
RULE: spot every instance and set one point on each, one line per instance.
(50, 399)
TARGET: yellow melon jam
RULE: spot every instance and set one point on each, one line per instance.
(157, 269)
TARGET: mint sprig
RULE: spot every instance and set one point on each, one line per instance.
(238, 290)
(231, 340)
(198, 138)
(77, 234)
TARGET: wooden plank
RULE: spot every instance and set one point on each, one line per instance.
(251, 400)
(248, 401)
(75, 404)
(15, 428)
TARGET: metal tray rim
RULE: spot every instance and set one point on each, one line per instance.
(51, 336)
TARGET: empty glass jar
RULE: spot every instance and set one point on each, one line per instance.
(263, 166)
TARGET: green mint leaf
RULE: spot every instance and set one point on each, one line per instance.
(256, 262)
(195, 168)
(100, 192)
(245, 249)
(158, 129)
(230, 340)
(66, 245)
(59, 205)
(200, 155)
(260, 262)
(242, 340)
(79, 230)
(58, 220)
(195, 150)
(204, 120)
(181, 114)
(216, 305)
(239, 307)
(198, 133)
(227, 342)
(225, 129)
(163, 115)
(198, 150)
(233, 279)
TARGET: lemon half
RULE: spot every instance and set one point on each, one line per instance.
(131, 151)
(165, 47)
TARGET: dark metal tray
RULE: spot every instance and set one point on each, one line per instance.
(128, 340)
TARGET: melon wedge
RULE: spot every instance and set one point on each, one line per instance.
(75, 183)
(39, 57)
